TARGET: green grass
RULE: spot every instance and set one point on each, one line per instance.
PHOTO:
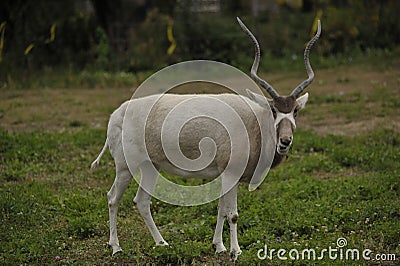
(54, 209)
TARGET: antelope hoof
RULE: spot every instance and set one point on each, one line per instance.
(162, 243)
(116, 249)
(219, 248)
(235, 254)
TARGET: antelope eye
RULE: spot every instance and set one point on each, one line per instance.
(295, 112)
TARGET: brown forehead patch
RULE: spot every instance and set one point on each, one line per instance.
(285, 104)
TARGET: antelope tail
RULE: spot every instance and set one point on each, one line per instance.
(96, 162)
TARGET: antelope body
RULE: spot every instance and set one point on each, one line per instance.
(284, 110)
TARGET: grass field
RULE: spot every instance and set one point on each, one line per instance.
(340, 180)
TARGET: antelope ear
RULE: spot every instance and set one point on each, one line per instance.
(301, 101)
(260, 99)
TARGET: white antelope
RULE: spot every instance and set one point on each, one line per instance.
(284, 110)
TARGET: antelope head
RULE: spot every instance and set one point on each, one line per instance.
(284, 108)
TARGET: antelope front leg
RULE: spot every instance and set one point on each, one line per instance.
(230, 206)
(217, 239)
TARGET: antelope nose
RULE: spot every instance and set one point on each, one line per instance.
(286, 141)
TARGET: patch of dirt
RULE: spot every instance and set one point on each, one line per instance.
(58, 109)
(343, 128)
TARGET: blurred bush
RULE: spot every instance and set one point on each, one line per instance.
(148, 43)
(40, 34)
(359, 24)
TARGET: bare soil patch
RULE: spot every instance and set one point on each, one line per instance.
(57, 109)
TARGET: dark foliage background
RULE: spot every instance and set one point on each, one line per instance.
(131, 35)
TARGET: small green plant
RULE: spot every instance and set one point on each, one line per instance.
(83, 226)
